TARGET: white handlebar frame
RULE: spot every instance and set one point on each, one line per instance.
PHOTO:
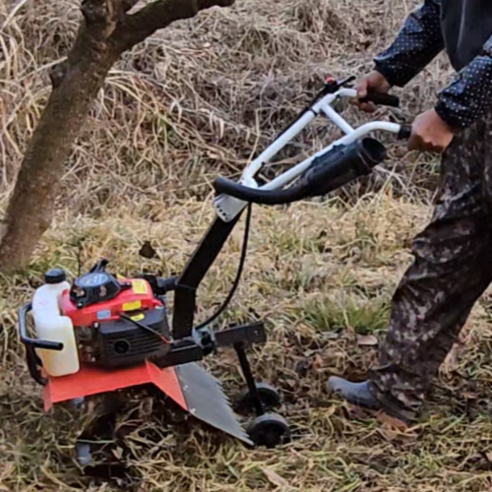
(228, 207)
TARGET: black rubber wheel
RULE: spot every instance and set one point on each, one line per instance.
(269, 430)
(269, 396)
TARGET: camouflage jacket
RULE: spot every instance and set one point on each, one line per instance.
(464, 29)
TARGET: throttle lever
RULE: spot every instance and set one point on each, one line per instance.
(405, 132)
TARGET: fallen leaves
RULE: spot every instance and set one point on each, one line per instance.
(390, 422)
(275, 479)
(147, 250)
(355, 412)
(318, 362)
(367, 340)
(118, 453)
(393, 428)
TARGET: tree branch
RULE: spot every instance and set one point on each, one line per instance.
(101, 17)
(158, 15)
(128, 4)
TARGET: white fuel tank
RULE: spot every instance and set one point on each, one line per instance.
(51, 325)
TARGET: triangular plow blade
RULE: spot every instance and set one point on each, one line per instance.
(207, 402)
(189, 385)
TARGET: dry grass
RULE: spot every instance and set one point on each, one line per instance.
(202, 96)
(199, 99)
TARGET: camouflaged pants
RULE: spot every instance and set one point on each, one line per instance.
(452, 267)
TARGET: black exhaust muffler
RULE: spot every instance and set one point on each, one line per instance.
(342, 165)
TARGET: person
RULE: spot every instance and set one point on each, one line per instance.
(452, 263)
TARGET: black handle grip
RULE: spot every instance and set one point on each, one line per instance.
(260, 197)
(381, 99)
(34, 342)
(33, 361)
(405, 132)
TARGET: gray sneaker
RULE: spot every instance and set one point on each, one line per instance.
(359, 394)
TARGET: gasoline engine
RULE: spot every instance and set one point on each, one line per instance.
(102, 320)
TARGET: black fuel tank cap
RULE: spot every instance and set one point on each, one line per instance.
(55, 276)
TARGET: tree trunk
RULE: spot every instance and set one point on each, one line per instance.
(76, 83)
(106, 32)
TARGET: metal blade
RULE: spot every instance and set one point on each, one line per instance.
(207, 402)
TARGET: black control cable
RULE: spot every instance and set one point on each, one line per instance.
(242, 260)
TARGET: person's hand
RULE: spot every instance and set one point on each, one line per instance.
(430, 133)
(372, 82)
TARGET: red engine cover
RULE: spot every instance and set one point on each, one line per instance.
(138, 297)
